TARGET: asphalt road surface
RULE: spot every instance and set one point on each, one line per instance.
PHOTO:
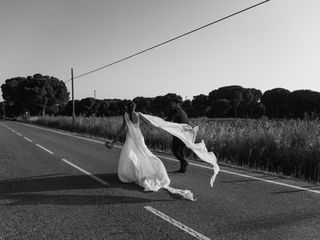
(55, 185)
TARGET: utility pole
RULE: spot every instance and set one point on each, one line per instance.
(94, 94)
(4, 109)
(73, 108)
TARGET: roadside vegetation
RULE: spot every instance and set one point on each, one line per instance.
(276, 131)
(286, 147)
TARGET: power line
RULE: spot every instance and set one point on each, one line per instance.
(170, 40)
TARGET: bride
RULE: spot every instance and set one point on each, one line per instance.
(137, 164)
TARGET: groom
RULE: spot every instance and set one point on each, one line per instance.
(178, 115)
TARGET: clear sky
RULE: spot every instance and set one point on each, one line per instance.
(274, 45)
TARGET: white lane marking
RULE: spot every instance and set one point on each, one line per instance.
(6, 126)
(274, 182)
(66, 161)
(86, 172)
(176, 223)
(19, 134)
(27, 139)
(63, 133)
(251, 177)
(198, 165)
(44, 148)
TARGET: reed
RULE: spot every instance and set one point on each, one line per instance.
(286, 147)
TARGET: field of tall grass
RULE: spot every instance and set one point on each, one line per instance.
(286, 147)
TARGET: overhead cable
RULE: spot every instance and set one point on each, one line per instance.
(170, 40)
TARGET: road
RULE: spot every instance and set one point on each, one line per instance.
(56, 185)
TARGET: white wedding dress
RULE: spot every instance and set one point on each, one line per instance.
(139, 165)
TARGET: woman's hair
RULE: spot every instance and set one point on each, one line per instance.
(130, 106)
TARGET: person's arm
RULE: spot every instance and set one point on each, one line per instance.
(141, 118)
(168, 119)
(183, 115)
(170, 116)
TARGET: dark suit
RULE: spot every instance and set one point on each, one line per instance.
(178, 115)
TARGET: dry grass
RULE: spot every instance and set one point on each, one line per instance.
(288, 147)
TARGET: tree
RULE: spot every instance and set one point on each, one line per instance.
(258, 110)
(187, 106)
(160, 105)
(34, 94)
(232, 93)
(58, 95)
(219, 108)
(276, 102)
(2, 110)
(143, 104)
(86, 106)
(242, 101)
(200, 103)
(304, 103)
(12, 94)
(103, 110)
(251, 102)
(117, 106)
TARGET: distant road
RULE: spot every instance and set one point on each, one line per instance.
(55, 185)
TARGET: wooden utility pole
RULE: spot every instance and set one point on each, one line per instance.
(73, 108)
(4, 109)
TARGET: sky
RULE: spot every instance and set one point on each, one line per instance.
(276, 44)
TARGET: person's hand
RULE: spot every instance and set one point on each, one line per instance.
(108, 143)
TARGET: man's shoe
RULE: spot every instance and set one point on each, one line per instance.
(183, 168)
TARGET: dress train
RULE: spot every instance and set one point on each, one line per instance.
(139, 165)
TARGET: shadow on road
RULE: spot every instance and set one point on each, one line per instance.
(269, 222)
(67, 199)
(61, 182)
(276, 179)
(316, 188)
(25, 191)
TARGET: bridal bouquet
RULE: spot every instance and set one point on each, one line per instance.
(108, 143)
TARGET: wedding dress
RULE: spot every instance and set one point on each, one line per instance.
(139, 165)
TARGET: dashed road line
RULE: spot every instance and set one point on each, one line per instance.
(66, 161)
(86, 172)
(63, 133)
(176, 223)
(27, 139)
(44, 148)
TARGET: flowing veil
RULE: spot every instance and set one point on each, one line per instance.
(187, 134)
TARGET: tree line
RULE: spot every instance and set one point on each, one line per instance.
(37, 95)
(40, 95)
